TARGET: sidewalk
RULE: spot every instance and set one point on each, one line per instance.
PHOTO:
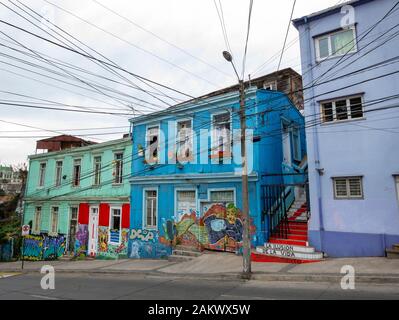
(226, 266)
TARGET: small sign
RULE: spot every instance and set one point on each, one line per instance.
(25, 230)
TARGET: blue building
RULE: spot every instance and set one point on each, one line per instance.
(186, 170)
(349, 66)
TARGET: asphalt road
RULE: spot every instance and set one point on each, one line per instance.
(84, 286)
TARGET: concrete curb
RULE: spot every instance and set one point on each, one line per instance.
(258, 276)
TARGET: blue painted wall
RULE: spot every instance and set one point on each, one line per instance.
(365, 147)
(265, 110)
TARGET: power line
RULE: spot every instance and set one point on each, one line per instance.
(244, 60)
(130, 43)
(161, 39)
(286, 35)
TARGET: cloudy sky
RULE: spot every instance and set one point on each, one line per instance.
(174, 42)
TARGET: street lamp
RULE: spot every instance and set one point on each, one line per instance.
(245, 210)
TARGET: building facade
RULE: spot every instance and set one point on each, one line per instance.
(349, 67)
(186, 170)
(77, 202)
(10, 182)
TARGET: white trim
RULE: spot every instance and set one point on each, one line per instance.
(34, 230)
(185, 189)
(334, 112)
(330, 53)
(192, 135)
(39, 185)
(222, 189)
(144, 208)
(56, 171)
(216, 113)
(146, 146)
(50, 232)
(118, 207)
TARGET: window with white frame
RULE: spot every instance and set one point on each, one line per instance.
(97, 171)
(336, 44)
(221, 144)
(342, 109)
(222, 196)
(152, 141)
(36, 227)
(76, 172)
(58, 173)
(186, 202)
(271, 86)
(115, 225)
(151, 208)
(42, 174)
(54, 220)
(184, 140)
(348, 187)
(118, 178)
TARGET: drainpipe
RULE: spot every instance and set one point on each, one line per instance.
(315, 134)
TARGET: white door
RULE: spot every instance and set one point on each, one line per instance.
(93, 231)
(286, 145)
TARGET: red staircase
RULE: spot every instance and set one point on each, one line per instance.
(289, 243)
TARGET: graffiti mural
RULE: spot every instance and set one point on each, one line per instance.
(220, 227)
(53, 247)
(81, 241)
(6, 251)
(43, 247)
(108, 250)
(146, 244)
(103, 239)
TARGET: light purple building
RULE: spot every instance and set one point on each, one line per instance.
(350, 67)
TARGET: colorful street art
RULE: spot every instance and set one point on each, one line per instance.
(146, 244)
(219, 228)
(82, 239)
(43, 247)
(108, 250)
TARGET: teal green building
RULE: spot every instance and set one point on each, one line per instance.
(77, 202)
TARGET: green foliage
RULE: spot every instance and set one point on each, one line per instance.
(9, 229)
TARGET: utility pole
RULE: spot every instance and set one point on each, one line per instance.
(245, 209)
(246, 237)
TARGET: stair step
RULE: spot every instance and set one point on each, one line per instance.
(179, 258)
(396, 246)
(392, 253)
(187, 248)
(294, 232)
(290, 254)
(287, 247)
(288, 241)
(257, 257)
(290, 227)
(293, 237)
(186, 253)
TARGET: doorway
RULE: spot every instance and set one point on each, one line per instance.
(93, 231)
(73, 225)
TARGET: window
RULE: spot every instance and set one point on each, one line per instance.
(271, 86)
(184, 141)
(221, 145)
(348, 188)
(54, 220)
(97, 171)
(118, 178)
(223, 196)
(186, 202)
(76, 172)
(397, 185)
(115, 225)
(296, 144)
(36, 228)
(152, 140)
(336, 44)
(151, 209)
(42, 174)
(342, 109)
(58, 173)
